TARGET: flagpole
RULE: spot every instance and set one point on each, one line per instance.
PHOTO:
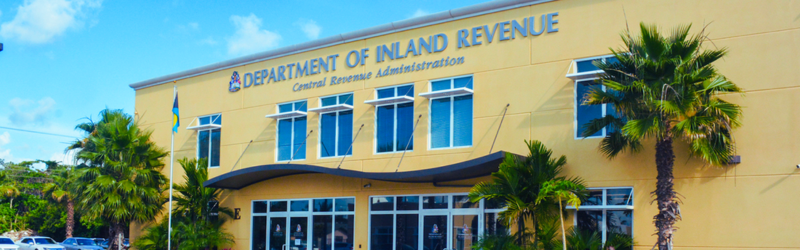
(171, 162)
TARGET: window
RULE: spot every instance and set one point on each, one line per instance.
(585, 82)
(451, 112)
(395, 121)
(208, 139)
(431, 222)
(607, 211)
(319, 223)
(292, 132)
(336, 127)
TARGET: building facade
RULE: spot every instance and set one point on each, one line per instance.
(371, 139)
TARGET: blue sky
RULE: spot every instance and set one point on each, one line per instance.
(65, 60)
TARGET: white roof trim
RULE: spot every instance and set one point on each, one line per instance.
(204, 127)
(393, 27)
(290, 114)
(447, 92)
(390, 100)
(331, 108)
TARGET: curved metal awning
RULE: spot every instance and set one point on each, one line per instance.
(481, 166)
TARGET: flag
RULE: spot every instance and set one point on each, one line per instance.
(175, 117)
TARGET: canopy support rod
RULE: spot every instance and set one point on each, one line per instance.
(351, 146)
(408, 143)
(498, 127)
(240, 156)
(301, 146)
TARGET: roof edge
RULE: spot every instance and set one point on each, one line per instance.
(378, 30)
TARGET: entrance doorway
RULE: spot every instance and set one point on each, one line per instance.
(303, 224)
(430, 222)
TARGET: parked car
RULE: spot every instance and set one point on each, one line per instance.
(77, 243)
(98, 241)
(38, 243)
(7, 244)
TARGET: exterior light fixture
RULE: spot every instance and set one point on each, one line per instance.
(368, 185)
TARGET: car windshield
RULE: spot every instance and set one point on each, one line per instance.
(44, 241)
(6, 241)
(85, 242)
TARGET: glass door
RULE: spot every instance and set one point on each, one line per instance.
(277, 233)
(298, 238)
(465, 230)
(435, 228)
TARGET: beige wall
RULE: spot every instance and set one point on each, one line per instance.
(752, 205)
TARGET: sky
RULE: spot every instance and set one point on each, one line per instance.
(64, 61)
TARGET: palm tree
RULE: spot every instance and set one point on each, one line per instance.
(665, 88)
(90, 129)
(193, 225)
(123, 181)
(567, 190)
(62, 189)
(518, 183)
(8, 190)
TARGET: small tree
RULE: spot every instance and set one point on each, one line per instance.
(568, 191)
(63, 189)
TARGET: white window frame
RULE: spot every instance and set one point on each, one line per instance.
(582, 77)
(278, 132)
(336, 144)
(394, 131)
(308, 214)
(481, 212)
(604, 209)
(210, 142)
(452, 110)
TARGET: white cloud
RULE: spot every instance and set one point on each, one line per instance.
(419, 13)
(5, 138)
(64, 158)
(249, 37)
(6, 155)
(27, 112)
(309, 27)
(39, 21)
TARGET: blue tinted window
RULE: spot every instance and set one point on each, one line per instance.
(441, 85)
(283, 108)
(298, 206)
(215, 138)
(406, 91)
(405, 125)
(327, 142)
(328, 101)
(440, 123)
(205, 120)
(346, 99)
(203, 143)
(386, 93)
(611, 60)
(345, 133)
(585, 66)
(463, 82)
(385, 130)
(299, 147)
(217, 119)
(586, 113)
(284, 139)
(300, 106)
(462, 121)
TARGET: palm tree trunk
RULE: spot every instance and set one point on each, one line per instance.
(668, 212)
(116, 231)
(70, 217)
(563, 233)
(521, 230)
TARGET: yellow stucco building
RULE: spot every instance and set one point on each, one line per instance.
(370, 139)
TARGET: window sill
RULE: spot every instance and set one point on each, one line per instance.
(204, 127)
(446, 148)
(331, 108)
(585, 75)
(284, 115)
(447, 93)
(600, 207)
(390, 100)
(393, 152)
